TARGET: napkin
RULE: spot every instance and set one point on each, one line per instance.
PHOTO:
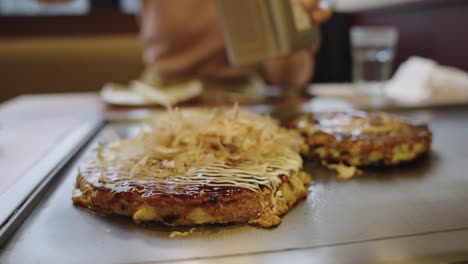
(423, 80)
(142, 92)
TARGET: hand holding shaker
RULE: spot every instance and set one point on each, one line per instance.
(255, 30)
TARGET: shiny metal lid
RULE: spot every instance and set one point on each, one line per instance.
(255, 30)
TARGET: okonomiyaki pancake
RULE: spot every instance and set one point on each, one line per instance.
(362, 138)
(197, 167)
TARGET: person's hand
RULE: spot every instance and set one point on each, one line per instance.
(295, 70)
(318, 14)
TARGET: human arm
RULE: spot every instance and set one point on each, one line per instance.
(295, 70)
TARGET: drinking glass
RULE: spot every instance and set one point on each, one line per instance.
(373, 51)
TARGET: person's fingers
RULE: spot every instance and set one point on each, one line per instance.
(310, 4)
(319, 16)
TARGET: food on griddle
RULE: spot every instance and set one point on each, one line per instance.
(362, 138)
(197, 167)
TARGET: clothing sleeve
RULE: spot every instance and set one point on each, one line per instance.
(184, 37)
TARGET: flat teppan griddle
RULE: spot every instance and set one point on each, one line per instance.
(415, 210)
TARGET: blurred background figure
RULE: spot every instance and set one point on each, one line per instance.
(80, 45)
(183, 41)
(184, 38)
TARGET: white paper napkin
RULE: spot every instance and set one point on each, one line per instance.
(139, 93)
(420, 80)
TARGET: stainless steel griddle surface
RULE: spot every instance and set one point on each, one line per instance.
(430, 195)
